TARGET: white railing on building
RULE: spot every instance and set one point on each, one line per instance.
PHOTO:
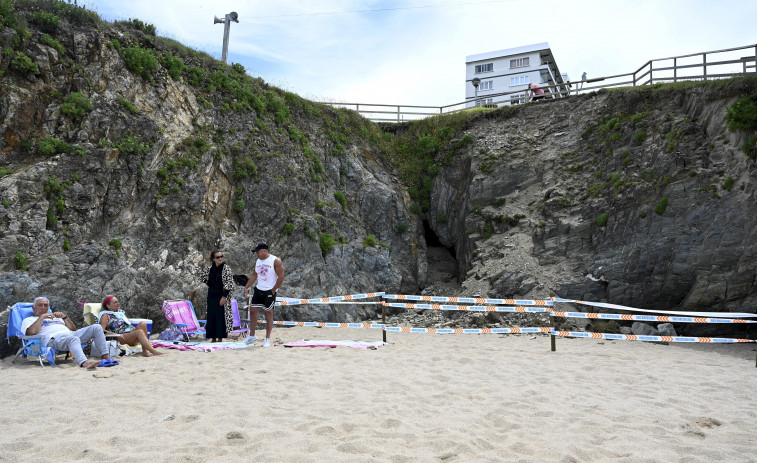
(718, 64)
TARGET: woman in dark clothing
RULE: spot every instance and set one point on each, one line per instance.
(220, 282)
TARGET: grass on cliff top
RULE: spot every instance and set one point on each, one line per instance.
(688, 84)
(43, 9)
(427, 145)
(421, 151)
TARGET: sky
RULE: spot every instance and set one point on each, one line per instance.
(413, 52)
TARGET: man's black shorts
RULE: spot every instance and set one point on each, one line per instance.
(266, 299)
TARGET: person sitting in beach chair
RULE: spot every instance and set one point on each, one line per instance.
(30, 345)
(113, 321)
(59, 332)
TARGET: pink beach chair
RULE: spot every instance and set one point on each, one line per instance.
(182, 314)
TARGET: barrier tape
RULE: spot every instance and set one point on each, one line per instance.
(633, 309)
(513, 330)
(469, 300)
(633, 337)
(326, 324)
(408, 329)
(333, 303)
(469, 308)
(649, 318)
(326, 300)
(516, 330)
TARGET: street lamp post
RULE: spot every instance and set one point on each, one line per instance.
(233, 16)
(476, 82)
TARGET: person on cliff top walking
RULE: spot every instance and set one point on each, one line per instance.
(537, 93)
(268, 277)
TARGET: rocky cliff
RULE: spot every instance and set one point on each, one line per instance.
(126, 158)
(639, 196)
(121, 175)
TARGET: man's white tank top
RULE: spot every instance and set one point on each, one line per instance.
(266, 273)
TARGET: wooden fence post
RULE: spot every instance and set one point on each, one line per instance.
(675, 70)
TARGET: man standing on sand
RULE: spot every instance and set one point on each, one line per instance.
(59, 332)
(269, 274)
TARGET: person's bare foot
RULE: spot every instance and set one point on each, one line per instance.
(157, 352)
(146, 354)
(90, 364)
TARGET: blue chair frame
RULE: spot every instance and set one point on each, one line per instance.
(30, 345)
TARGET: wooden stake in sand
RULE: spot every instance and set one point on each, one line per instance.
(552, 324)
(552, 336)
(383, 319)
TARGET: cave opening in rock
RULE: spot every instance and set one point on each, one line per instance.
(430, 236)
(442, 264)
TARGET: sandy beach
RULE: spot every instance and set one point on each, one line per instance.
(421, 397)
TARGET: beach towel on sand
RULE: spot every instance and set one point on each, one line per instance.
(373, 345)
(200, 346)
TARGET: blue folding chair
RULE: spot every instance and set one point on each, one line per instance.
(30, 345)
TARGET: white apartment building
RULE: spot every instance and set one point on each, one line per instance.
(509, 70)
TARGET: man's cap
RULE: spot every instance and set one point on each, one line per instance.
(260, 246)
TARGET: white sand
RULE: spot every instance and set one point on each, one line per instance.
(423, 397)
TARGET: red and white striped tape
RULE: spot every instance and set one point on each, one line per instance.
(633, 337)
(649, 318)
(512, 330)
(664, 312)
(326, 300)
(410, 329)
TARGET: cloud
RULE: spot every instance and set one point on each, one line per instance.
(417, 55)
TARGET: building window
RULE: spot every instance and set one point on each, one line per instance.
(483, 101)
(519, 62)
(517, 99)
(488, 67)
(486, 85)
(519, 80)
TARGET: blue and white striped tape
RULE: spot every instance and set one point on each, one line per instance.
(469, 300)
(467, 308)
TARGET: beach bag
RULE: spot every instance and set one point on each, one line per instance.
(241, 280)
(113, 348)
(172, 333)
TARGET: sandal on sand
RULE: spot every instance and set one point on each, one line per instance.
(107, 363)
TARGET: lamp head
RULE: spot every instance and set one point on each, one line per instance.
(233, 16)
(476, 82)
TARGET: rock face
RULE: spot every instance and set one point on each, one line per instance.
(160, 171)
(638, 197)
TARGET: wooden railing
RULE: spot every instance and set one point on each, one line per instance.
(718, 64)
